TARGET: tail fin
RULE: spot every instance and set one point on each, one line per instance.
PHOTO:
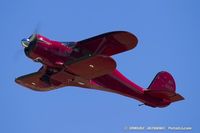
(163, 81)
(163, 87)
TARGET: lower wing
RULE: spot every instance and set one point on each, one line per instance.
(40, 81)
(78, 74)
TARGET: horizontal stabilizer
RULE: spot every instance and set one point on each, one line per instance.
(164, 94)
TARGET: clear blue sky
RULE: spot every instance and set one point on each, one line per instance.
(169, 39)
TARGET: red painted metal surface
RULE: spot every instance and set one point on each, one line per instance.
(88, 64)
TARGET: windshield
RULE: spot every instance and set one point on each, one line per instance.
(69, 44)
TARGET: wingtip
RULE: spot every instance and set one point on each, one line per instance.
(16, 80)
(126, 38)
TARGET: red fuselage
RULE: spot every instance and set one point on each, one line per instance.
(57, 56)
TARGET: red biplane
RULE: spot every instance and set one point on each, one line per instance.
(88, 64)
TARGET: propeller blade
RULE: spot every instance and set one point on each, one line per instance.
(32, 37)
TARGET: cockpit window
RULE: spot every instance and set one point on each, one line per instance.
(69, 44)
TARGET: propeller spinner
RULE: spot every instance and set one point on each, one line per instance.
(26, 41)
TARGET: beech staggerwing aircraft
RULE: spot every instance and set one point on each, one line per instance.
(88, 64)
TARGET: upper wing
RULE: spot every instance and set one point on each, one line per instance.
(109, 43)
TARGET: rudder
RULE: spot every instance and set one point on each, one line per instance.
(163, 81)
(163, 87)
